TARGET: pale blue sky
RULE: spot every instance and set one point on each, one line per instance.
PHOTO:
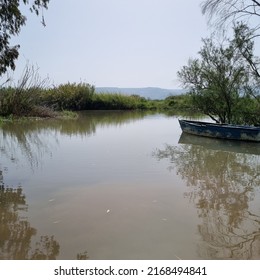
(124, 43)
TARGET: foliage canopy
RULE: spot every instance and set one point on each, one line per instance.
(222, 76)
(222, 12)
(11, 21)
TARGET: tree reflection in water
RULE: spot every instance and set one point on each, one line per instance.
(16, 232)
(31, 140)
(223, 186)
(27, 142)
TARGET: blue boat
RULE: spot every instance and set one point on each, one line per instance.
(223, 131)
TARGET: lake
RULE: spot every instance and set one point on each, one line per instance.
(125, 185)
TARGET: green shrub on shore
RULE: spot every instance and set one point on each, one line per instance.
(19, 102)
(6, 101)
(70, 96)
(23, 99)
(117, 101)
(46, 102)
(32, 98)
(247, 111)
(178, 102)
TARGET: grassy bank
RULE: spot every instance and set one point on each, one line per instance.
(82, 96)
(37, 101)
(33, 97)
(34, 100)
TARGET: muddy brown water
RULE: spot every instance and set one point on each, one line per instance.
(126, 185)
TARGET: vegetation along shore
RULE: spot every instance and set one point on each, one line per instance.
(222, 82)
(32, 98)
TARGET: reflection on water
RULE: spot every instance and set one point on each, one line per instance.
(26, 143)
(93, 188)
(220, 144)
(31, 139)
(16, 232)
(223, 177)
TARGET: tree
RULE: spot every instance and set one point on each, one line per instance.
(217, 80)
(221, 11)
(244, 16)
(243, 40)
(11, 21)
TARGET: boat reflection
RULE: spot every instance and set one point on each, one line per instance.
(221, 144)
(223, 180)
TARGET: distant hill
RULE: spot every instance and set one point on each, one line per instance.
(148, 92)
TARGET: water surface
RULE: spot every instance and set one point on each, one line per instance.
(126, 185)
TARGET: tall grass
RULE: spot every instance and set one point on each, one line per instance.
(70, 96)
(178, 102)
(23, 99)
(117, 101)
(32, 96)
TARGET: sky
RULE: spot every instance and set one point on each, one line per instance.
(113, 43)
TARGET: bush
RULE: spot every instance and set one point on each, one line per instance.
(23, 98)
(69, 96)
(247, 111)
(6, 101)
(114, 101)
(177, 102)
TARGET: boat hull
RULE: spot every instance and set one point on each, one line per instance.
(223, 131)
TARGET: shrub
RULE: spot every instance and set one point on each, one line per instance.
(69, 96)
(23, 98)
(177, 102)
(114, 101)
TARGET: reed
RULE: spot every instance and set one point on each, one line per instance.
(23, 99)
(70, 96)
(117, 101)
